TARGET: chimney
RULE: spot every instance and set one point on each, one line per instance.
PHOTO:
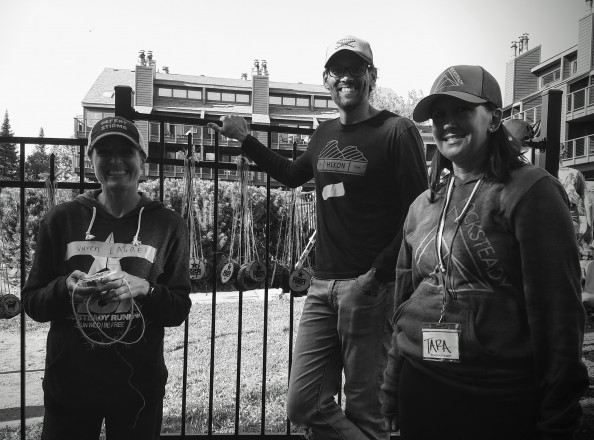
(150, 61)
(165, 69)
(520, 45)
(260, 96)
(244, 76)
(525, 36)
(141, 58)
(514, 47)
(588, 6)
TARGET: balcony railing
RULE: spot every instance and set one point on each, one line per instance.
(578, 150)
(580, 99)
(530, 115)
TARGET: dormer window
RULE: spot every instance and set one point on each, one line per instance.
(550, 77)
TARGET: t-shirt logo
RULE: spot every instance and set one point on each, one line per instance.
(349, 160)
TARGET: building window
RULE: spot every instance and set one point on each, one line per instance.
(242, 97)
(320, 103)
(228, 97)
(302, 102)
(213, 96)
(275, 100)
(288, 101)
(550, 77)
(93, 118)
(574, 67)
(167, 93)
(195, 94)
(180, 93)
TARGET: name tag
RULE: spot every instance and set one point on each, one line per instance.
(441, 341)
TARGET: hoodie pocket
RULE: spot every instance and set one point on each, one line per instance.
(470, 345)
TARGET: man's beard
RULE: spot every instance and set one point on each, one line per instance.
(346, 104)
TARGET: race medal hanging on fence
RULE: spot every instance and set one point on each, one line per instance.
(197, 269)
(10, 306)
(300, 278)
(227, 270)
(257, 271)
(243, 281)
(199, 266)
(243, 242)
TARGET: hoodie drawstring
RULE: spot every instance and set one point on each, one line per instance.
(88, 235)
(135, 240)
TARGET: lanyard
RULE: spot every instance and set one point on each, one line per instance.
(441, 266)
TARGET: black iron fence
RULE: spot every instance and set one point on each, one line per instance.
(159, 164)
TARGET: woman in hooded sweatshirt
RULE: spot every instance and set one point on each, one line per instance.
(488, 333)
(110, 273)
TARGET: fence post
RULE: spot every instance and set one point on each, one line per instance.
(550, 130)
(124, 103)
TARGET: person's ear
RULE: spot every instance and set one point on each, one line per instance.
(372, 76)
(496, 119)
(325, 79)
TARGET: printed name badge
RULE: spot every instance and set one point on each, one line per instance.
(441, 341)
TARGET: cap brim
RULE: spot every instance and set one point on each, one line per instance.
(422, 111)
(104, 135)
(347, 50)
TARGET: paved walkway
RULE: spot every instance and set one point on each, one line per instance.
(233, 296)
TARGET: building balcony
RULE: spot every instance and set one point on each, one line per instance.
(579, 150)
(580, 103)
(530, 115)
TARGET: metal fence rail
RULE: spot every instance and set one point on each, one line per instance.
(161, 162)
(22, 184)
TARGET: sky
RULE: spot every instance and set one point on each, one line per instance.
(51, 52)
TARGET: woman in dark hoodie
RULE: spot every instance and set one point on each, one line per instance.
(488, 332)
(110, 273)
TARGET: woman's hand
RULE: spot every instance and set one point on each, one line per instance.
(77, 288)
(122, 285)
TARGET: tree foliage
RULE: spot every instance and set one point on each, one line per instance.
(211, 246)
(387, 99)
(38, 163)
(8, 155)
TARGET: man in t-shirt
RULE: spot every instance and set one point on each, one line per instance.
(368, 166)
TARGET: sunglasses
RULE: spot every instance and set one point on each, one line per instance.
(354, 71)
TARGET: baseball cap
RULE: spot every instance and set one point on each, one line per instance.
(468, 83)
(354, 44)
(116, 126)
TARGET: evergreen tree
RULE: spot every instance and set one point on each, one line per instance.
(37, 164)
(9, 164)
(63, 158)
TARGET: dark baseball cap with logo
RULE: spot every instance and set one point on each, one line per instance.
(117, 126)
(350, 43)
(468, 83)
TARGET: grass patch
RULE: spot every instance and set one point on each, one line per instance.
(225, 385)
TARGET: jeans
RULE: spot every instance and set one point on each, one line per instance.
(343, 326)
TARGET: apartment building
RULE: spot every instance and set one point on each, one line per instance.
(571, 72)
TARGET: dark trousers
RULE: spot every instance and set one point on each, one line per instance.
(124, 420)
(431, 409)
